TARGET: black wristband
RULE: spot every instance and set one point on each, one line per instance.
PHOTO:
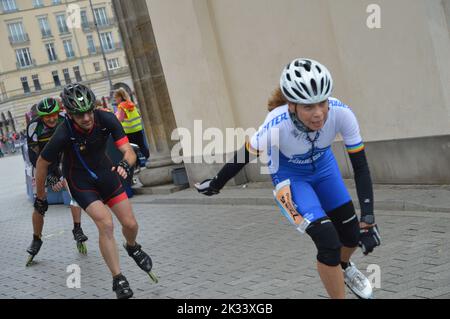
(124, 164)
(41, 205)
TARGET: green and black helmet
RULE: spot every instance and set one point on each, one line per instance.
(47, 106)
(78, 98)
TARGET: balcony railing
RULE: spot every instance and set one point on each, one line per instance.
(21, 39)
(64, 32)
(86, 26)
(9, 10)
(90, 25)
(111, 22)
(116, 46)
(50, 88)
(19, 66)
(94, 50)
(46, 34)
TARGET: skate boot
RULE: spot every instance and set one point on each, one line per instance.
(357, 282)
(142, 260)
(80, 238)
(33, 250)
(121, 287)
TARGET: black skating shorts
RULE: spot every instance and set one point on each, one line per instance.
(85, 189)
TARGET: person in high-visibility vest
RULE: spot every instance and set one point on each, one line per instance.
(131, 120)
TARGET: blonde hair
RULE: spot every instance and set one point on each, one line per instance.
(121, 93)
(276, 99)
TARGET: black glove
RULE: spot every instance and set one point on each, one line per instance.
(52, 180)
(206, 188)
(124, 164)
(369, 239)
(41, 205)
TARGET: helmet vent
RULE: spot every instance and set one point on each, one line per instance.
(314, 86)
(298, 93)
(289, 95)
(307, 65)
(305, 88)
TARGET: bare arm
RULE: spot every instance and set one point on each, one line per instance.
(41, 174)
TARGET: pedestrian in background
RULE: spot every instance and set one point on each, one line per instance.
(131, 120)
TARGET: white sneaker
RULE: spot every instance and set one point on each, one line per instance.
(357, 282)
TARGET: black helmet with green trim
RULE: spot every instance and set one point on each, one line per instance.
(47, 106)
(78, 98)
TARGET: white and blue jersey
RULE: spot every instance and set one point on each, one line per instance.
(307, 159)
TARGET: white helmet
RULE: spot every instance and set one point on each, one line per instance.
(305, 81)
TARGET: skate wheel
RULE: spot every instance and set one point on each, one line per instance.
(29, 261)
(153, 277)
(82, 249)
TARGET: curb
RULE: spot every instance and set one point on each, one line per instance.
(398, 205)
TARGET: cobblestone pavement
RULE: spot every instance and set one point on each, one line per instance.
(208, 251)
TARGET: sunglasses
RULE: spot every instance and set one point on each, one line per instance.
(50, 116)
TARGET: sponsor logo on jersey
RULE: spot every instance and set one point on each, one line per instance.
(303, 159)
(275, 121)
(336, 102)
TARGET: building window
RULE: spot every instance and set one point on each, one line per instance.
(16, 33)
(51, 52)
(38, 3)
(107, 41)
(100, 16)
(62, 26)
(56, 78)
(26, 87)
(68, 49)
(37, 84)
(23, 57)
(55, 2)
(113, 64)
(45, 27)
(84, 19)
(97, 66)
(91, 44)
(67, 76)
(9, 5)
(76, 70)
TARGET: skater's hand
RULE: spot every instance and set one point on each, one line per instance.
(54, 182)
(123, 169)
(369, 237)
(206, 188)
(58, 186)
(122, 173)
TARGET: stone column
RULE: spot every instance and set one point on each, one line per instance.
(150, 85)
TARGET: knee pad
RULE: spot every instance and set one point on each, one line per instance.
(346, 223)
(326, 239)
